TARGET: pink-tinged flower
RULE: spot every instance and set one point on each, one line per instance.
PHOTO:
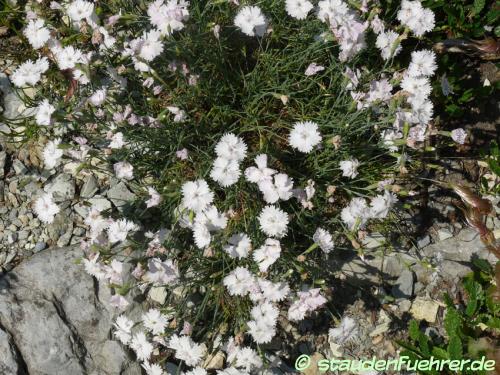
(459, 135)
(313, 68)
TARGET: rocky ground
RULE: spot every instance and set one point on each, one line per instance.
(54, 318)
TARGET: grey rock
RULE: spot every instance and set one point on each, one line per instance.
(89, 187)
(59, 226)
(424, 241)
(404, 285)
(444, 234)
(9, 362)
(49, 306)
(19, 167)
(39, 246)
(62, 188)
(3, 156)
(120, 195)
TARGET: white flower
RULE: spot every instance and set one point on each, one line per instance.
(280, 189)
(251, 21)
(273, 221)
(124, 169)
(98, 97)
(45, 208)
(356, 213)
(123, 326)
(150, 45)
(380, 91)
(182, 154)
(239, 246)
(349, 168)
(263, 326)
(68, 57)
(43, 112)
(196, 195)
(381, 205)
(141, 346)
(313, 68)
(161, 272)
(79, 10)
(168, 17)
(152, 368)
(114, 272)
(248, 359)
(231, 147)
(29, 73)
(202, 236)
(119, 302)
(298, 8)
(418, 19)
(225, 171)
(261, 172)
(308, 301)
(459, 135)
(239, 282)
(93, 267)
(419, 87)
(304, 136)
(334, 12)
(52, 153)
(197, 371)
(267, 254)
(37, 33)
(386, 43)
(324, 240)
(346, 331)
(118, 230)
(423, 63)
(154, 198)
(179, 114)
(155, 321)
(117, 141)
(187, 350)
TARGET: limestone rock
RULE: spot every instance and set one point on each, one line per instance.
(55, 321)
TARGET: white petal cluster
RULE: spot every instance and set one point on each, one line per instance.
(52, 153)
(324, 240)
(251, 21)
(308, 302)
(36, 33)
(29, 73)
(418, 19)
(170, 16)
(298, 8)
(273, 221)
(187, 350)
(45, 208)
(230, 150)
(304, 136)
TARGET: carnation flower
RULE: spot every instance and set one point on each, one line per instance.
(123, 327)
(29, 73)
(37, 33)
(154, 198)
(260, 173)
(386, 43)
(118, 230)
(267, 254)
(124, 170)
(155, 321)
(43, 112)
(239, 282)
(231, 147)
(308, 302)
(349, 168)
(418, 19)
(324, 240)
(187, 350)
(313, 68)
(381, 205)
(248, 359)
(114, 272)
(334, 12)
(161, 272)
(267, 291)
(423, 63)
(149, 45)
(239, 246)
(304, 136)
(280, 189)
(68, 57)
(298, 8)
(459, 135)
(196, 195)
(182, 154)
(79, 10)
(273, 221)
(225, 171)
(93, 267)
(263, 326)
(197, 371)
(179, 114)
(152, 368)
(98, 97)
(117, 141)
(52, 153)
(380, 91)
(251, 21)
(168, 17)
(118, 302)
(141, 346)
(45, 208)
(345, 332)
(355, 214)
